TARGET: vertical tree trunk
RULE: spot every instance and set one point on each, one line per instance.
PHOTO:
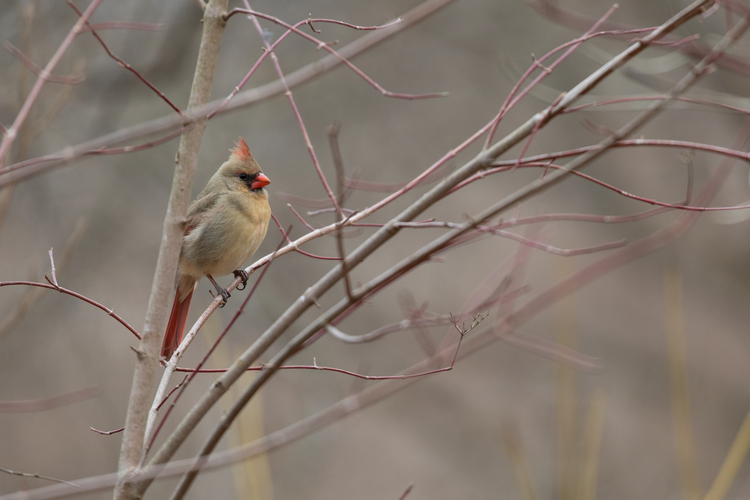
(147, 360)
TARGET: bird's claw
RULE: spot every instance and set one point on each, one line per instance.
(224, 296)
(241, 273)
(221, 291)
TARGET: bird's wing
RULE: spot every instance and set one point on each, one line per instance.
(199, 209)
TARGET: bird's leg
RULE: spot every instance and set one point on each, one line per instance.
(221, 291)
(241, 273)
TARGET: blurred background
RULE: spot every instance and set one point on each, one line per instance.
(505, 423)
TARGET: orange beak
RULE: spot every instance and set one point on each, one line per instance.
(260, 181)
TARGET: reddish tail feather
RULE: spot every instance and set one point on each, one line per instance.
(176, 326)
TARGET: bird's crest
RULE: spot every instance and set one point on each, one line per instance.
(241, 151)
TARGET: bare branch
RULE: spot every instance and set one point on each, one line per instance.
(108, 433)
(308, 254)
(249, 97)
(36, 405)
(123, 63)
(288, 92)
(60, 289)
(33, 294)
(65, 80)
(123, 26)
(37, 476)
(342, 58)
(338, 163)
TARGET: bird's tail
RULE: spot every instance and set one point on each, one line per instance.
(176, 326)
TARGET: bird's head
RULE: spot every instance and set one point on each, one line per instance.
(241, 171)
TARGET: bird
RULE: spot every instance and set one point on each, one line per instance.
(224, 227)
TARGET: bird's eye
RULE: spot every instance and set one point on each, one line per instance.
(244, 176)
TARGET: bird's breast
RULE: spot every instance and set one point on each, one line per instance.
(228, 236)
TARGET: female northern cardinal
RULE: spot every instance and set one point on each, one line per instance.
(225, 226)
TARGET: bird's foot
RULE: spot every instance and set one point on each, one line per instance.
(220, 291)
(241, 273)
(224, 296)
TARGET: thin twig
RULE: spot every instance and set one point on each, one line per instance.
(338, 163)
(293, 104)
(690, 100)
(65, 80)
(308, 254)
(174, 389)
(33, 294)
(567, 252)
(36, 405)
(579, 21)
(270, 49)
(513, 99)
(120, 25)
(300, 217)
(37, 476)
(123, 64)
(350, 373)
(253, 14)
(108, 433)
(77, 295)
(12, 131)
(54, 271)
(625, 143)
(406, 492)
(651, 201)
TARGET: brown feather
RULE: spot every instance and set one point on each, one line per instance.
(176, 326)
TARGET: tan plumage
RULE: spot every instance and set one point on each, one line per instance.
(225, 226)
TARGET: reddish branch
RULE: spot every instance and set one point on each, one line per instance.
(513, 99)
(320, 44)
(308, 254)
(293, 104)
(350, 373)
(689, 208)
(270, 49)
(123, 63)
(77, 295)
